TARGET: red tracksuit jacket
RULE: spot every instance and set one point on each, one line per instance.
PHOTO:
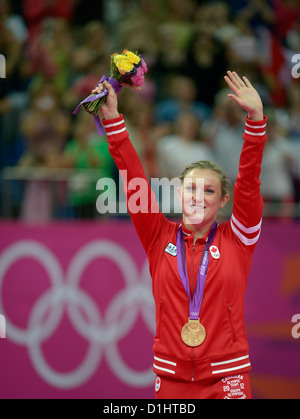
(225, 350)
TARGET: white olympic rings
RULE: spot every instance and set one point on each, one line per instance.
(102, 334)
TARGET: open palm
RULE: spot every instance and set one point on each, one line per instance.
(245, 95)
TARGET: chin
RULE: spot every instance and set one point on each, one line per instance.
(195, 219)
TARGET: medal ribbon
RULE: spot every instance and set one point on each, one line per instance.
(196, 301)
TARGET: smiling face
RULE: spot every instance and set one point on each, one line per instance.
(201, 197)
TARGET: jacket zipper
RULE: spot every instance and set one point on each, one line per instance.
(193, 367)
(229, 309)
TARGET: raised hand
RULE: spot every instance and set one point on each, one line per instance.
(109, 109)
(245, 95)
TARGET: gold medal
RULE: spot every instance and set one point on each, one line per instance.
(193, 333)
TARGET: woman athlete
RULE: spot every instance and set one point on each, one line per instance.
(199, 269)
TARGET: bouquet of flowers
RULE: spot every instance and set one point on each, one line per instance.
(126, 69)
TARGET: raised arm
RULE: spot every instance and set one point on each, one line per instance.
(141, 201)
(247, 200)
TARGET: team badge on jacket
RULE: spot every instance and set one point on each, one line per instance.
(171, 249)
(214, 251)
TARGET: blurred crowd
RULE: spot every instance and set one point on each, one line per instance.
(56, 51)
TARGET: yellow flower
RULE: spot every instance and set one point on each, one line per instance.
(118, 57)
(123, 64)
(135, 59)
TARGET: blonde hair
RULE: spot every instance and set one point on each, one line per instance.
(209, 165)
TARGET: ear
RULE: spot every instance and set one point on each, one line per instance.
(224, 200)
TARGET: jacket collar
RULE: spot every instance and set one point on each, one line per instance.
(189, 235)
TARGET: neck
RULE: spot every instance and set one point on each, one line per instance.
(199, 230)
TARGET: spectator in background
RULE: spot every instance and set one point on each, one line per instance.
(49, 54)
(36, 11)
(12, 39)
(137, 29)
(293, 133)
(254, 13)
(83, 14)
(173, 34)
(45, 128)
(86, 150)
(13, 21)
(206, 60)
(225, 133)
(288, 119)
(80, 86)
(91, 45)
(293, 37)
(181, 97)
(276, 181)
(287, 14)
(175, 151)
(11, 49)
(173, 41)
(88, 61)
(213, 18)
(293, 127)
(141, 125)
(13, 95)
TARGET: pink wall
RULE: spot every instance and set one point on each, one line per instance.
(80, 316)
